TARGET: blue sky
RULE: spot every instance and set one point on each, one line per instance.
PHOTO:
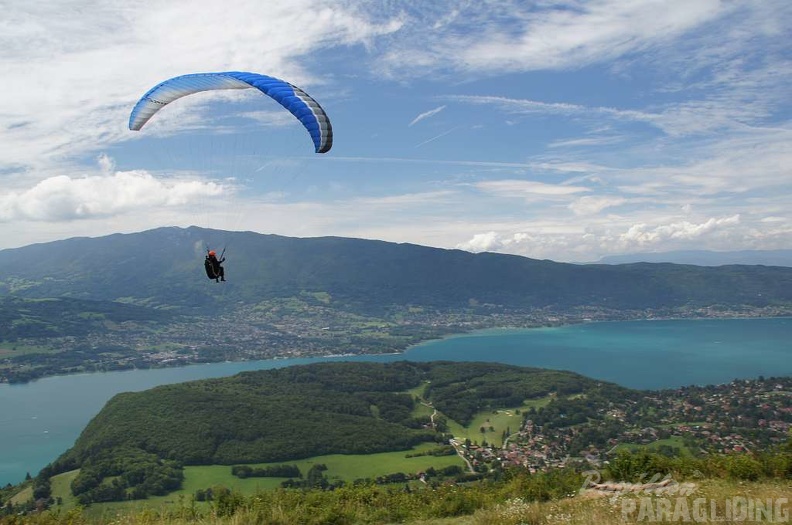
(566, 130)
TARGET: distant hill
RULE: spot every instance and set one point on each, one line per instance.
(706, 258)
(290, 413)
(163, 268)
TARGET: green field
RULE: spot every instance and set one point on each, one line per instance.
(508, 419)
(499, 420)
(339, 467)
(22, 496)
(419, 390)
(421, 409)
(14, 349)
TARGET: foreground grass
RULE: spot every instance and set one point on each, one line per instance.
(513, 502)
(714, 497)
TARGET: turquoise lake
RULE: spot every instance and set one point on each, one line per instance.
(41, 420)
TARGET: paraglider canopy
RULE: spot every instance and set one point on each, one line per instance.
(294, 99)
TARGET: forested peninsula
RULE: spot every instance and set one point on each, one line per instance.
(141, 440)
(494, 417)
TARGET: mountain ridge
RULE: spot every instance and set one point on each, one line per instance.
(163, 268)
(705, 257)
(142, 299)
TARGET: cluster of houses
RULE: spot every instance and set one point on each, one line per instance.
(739, 417)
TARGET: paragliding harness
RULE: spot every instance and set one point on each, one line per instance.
(213, 268)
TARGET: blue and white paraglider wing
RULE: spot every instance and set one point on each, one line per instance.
(297, 101)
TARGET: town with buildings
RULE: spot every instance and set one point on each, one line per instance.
(743, 416)
(285, 328)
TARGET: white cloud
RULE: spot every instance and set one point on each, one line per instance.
(527, 189)
(494, 242)
(641, 235)
(482, 242)
(518, 105)
(586, 142)
(403, 201)
(106, 164)
(537, 244)
(63, 198)
(733, 166)
(598, 236)
(677, 120)
(589, 205)
(425, 115)
(548, 35)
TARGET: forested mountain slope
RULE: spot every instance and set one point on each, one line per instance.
(163, 268)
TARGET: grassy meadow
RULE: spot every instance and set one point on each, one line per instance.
(495, 423)
(9, 349)
(346, 468)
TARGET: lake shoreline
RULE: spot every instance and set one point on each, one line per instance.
(467, 333)
(41, 419)
(500, 330)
